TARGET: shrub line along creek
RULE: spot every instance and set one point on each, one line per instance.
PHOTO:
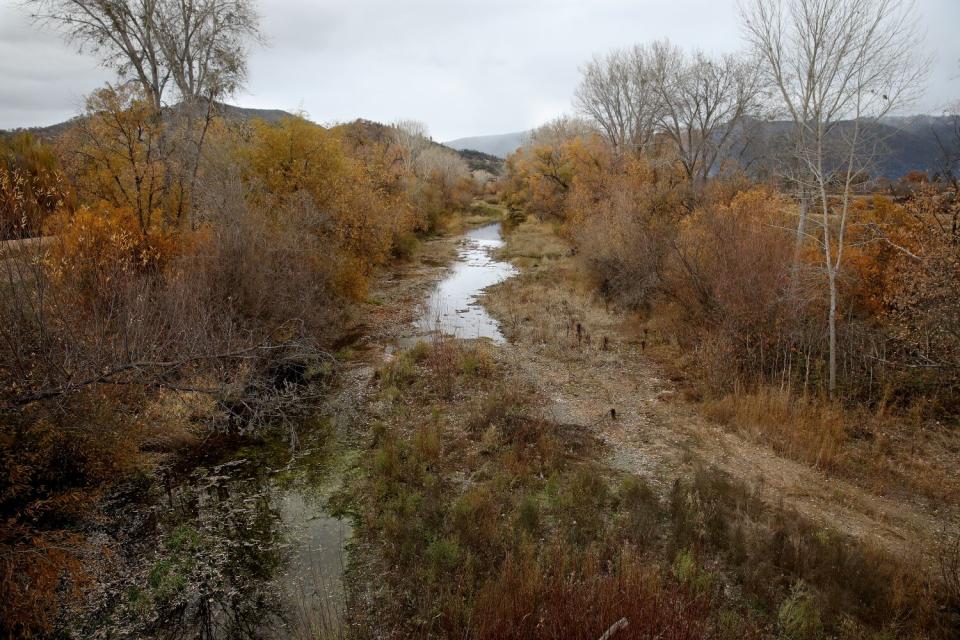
(266, 514)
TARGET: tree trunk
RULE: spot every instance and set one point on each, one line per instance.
(832, 321)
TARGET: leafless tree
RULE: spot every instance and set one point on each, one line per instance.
(559, 130)
(838, 66)
(948, 144)
(200, 46)
(197, 47)
(411, 139)
(616, 93)
(703, 103)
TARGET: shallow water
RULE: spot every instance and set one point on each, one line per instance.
(266, 555)
(312, 585)
(243, 547)
(452, 307)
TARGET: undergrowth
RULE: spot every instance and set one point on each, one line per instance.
(478, 517)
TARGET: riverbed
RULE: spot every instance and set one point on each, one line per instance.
(452, 307)
(248, 540)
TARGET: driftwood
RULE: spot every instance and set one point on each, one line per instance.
(622, 623)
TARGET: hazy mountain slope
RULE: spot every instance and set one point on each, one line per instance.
(479, 161)
(228, 111)
(498, 145)
(903, 144)
(909, 144)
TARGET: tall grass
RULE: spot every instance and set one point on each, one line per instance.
(804, 428)
(480, 518)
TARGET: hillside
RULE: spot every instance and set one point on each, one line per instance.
(496, 145)
(476, 160)
(911, 143)
(903, 144)
(479, 161)
(227, 110)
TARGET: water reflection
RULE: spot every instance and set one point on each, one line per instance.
(452, 307)
(241, 550)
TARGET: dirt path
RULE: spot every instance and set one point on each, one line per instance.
(658, 435)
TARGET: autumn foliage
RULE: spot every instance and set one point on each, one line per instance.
(721, 268)
(188, 255)
(32, 187)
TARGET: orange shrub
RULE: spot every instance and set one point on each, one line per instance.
(98, 246)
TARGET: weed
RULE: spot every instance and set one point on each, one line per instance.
(799, 616)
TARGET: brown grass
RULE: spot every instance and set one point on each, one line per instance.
(889, 452)
(579, 597)
(481, 518)
(800, 428)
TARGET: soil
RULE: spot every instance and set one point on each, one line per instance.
(659, 435)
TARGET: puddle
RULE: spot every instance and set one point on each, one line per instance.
(452, 307)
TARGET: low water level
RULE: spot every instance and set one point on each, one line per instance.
(244, 549)
(452, 307)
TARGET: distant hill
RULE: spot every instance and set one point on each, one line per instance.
(228, 111)
(500, 145)
(909, 144)
(244, 113)
(904, 144)
(479, 161)
(361, 129)
(476, 160)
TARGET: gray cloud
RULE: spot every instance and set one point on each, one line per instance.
(464, 67)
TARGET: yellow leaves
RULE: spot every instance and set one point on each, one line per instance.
(300, 164)
(124, 152)
(99, 244)
(296, 155)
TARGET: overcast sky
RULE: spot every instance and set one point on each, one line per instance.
(464, 67)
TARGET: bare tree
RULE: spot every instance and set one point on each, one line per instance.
(198, 45)
(948, 144)
(204, 44)
(616, 93)
(839, 66)
(412, 139)
(703, 102)
(559, 130)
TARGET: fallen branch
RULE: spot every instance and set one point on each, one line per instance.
(162, 369)
(622, 623)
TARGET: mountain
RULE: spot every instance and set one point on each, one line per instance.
(499, 145)
(243, 113)
(476, 160)
(479, 161)
(360, 130)
(905, 144)
(902, 145)
(228, 111)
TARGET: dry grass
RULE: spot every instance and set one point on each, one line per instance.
(800, 428)
(532, 242)
(854, 588)
(886, 452)
(481, 518)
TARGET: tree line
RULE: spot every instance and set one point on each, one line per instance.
(166, 266)
(812, 278)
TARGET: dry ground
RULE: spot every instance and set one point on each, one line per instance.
(655, 432)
